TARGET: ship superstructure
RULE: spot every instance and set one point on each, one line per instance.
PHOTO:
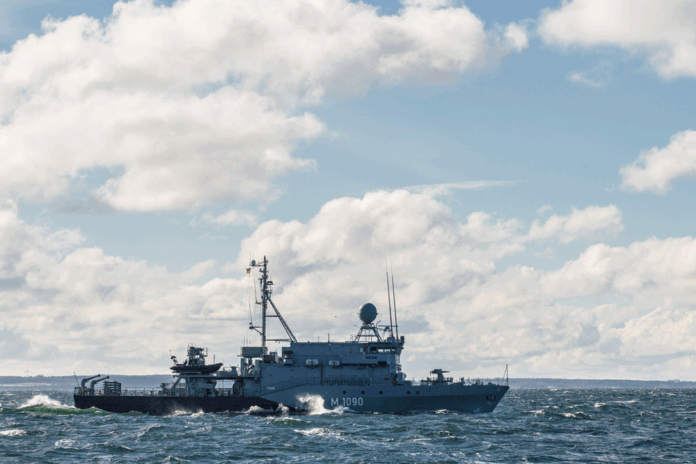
(363, 374)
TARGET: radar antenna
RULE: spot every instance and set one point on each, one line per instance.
(368, 330)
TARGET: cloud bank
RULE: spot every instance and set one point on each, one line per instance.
(618, 311)
(204, 101)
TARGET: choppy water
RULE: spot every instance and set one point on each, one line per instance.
(528, 426)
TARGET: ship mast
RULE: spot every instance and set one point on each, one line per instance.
(265, 283)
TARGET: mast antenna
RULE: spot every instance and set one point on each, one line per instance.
(265, 283)
(396, 322)
(391, 324)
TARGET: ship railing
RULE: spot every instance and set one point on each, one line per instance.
(462, 380)
(429, 381)
(79, 391)
(143, 392)
(224, 392)
(480, 381)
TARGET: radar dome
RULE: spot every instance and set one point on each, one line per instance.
(367, 313)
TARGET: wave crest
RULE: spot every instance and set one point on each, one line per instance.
(314, 405)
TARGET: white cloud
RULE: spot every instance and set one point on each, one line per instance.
(544, 209)
(662, 30)
(232, 217)
(657, 168)
(445, 274)
(443, 189)
(619, 311)
(516, 36)
(581, 78)
(661, 271)
(580, 224)
(80, 309)
(181, 118)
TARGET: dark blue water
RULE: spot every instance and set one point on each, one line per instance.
(528, 426)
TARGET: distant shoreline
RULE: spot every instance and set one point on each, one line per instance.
(66, 382)
(541, 383)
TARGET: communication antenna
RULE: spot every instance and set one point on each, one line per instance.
(265, 284)
(396, 322)
(391, 324)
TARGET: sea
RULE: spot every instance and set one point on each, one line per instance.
(542, 425)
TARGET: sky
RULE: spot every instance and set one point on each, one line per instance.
(525, 169)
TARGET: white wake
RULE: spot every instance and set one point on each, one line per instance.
(314, 405)
(45, 401)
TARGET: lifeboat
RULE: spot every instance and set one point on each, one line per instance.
(203, 369)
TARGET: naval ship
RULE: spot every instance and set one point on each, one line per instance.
(362, 374)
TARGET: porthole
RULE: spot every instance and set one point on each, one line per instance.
(362, 392)
(381, 392)
(417, 393)
(344, 392)
(408, 392)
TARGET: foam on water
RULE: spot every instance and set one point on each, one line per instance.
(187, 412)
(258, 410)
(319, 431)
(314, 405)
(66, 443)
(13, 433)
(46, 402)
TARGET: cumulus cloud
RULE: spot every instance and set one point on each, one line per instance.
(203, 101)
(446, 276)
(580, 224)
(622, 312)
(516, 36)
(657, 168)
(72, 308)
(661, 30)
(618, 311)
(587, 316)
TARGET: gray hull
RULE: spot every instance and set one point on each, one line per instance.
(472, 399)
(163, 405)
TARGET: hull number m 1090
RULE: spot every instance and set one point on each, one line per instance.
(346, 401)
